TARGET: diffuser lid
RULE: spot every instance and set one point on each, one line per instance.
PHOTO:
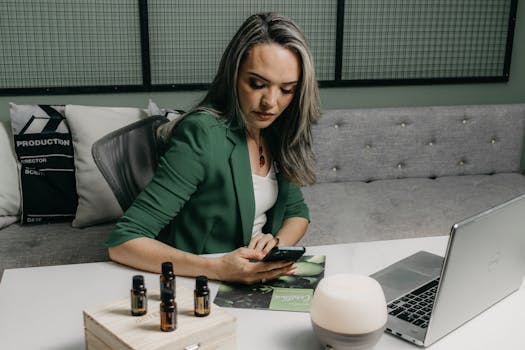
(349, 304)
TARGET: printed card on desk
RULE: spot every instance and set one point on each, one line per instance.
(287, 293)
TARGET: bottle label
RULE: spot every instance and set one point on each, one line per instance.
(202, 305)
(138, 303)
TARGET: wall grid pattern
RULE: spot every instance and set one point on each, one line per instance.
(80, 46)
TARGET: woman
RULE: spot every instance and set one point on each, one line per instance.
(230, 180)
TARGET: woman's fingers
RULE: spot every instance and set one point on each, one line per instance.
(239, 266)
(248, 253)
(262, 242)
(276, 273)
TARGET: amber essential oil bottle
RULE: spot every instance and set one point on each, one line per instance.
(201, 297)
(167, 278)
(168, 311)
(139, 299)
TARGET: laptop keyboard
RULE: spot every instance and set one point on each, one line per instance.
(416, 306)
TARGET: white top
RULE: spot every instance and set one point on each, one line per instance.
(265, 192)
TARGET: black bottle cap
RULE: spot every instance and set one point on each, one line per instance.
(167, 268)
(138, 282)
(166, 295)
(201, 282)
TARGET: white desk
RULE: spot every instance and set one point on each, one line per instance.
(41, 307)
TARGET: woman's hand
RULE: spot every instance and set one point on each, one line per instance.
(263, 242)
(243, 265)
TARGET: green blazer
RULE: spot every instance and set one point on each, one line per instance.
(203, 187)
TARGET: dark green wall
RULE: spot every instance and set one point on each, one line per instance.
(417, 95)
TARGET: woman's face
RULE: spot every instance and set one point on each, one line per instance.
(266, 84)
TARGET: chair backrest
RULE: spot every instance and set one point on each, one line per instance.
(128, 157)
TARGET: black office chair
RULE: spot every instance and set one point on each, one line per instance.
(127, 157)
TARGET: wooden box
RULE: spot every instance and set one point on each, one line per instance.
(112, 326)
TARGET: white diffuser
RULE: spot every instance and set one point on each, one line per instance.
(348, 312)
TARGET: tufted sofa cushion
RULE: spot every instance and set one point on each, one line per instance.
(388, 173)
(356, 211)
(390, 143)
(52, 244)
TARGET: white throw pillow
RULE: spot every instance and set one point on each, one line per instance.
(7, 220)
(87, 124)
(170, 113)
(9, 183)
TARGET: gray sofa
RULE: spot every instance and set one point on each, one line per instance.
(383, 173)
(410, 172)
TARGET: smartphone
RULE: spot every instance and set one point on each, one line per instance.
(284, 253)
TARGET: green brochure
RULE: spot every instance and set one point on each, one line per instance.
(287, 293)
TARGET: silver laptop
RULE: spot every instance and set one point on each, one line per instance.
(429, 296)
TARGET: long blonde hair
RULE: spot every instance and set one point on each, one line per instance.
(290, 135)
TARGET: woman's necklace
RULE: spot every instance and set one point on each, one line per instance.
(262, 161)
